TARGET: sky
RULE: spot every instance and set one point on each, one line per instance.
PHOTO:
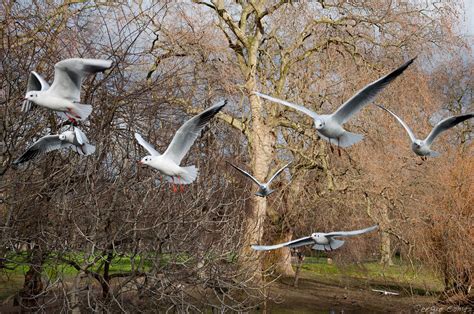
(469, 16)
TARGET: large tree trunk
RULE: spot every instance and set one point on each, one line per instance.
(281, 258)
(385, 250)
(28, 297)
(261, 141)
(383, 220)
(248, 34)
(385, 246)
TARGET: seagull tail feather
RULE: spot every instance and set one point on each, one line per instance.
(83, 110)
(188, 176)
(88, 149)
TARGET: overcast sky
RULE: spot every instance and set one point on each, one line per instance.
(469, 16)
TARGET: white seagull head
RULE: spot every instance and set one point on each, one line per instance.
(318, 124)
(146, 160)
(418, 143)
(32, 95)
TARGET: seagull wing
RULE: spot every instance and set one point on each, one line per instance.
(409, 131)
(289, 104)
(151, 150)
(43, 145)
(366, 95)
(278, 172)
(188, 132)
(35, 83)
(292, 244)
(245, 173)
(68, 75)
(350, 233)
(445, 125)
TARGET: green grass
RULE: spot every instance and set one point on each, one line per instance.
(17, 264)
(400, 274)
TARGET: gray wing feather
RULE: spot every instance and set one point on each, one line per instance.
(81, 138)
(151, 150)
(407, 128)
(245, 173)
(188, 133)
(289, 104)
(278, 172)
(366, 95)
(43, 145)
(68, 75)
(350, 233)
(292, 244)
(445, 125)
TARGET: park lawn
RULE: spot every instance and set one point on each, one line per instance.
(400, 276)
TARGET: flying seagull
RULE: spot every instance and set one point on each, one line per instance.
(329, 127)
(76, 140)
(263, 189)
(319, 241)
(168, 163)
(384, 292)
(423, 147)
(64, 94)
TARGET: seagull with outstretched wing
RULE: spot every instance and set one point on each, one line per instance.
(64, 94)
(168, 163)
(75, 140)
(385, 292)
(263, 188)
(319, 241)
(329, 127)
(423, 147)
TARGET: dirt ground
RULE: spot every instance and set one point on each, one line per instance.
(312, 296)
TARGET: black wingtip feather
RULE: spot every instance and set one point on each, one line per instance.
(233, 166)
(382, 107)
(399, 71)
(209, 113)
(26, 156)
(463, 117)
(94, 68)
